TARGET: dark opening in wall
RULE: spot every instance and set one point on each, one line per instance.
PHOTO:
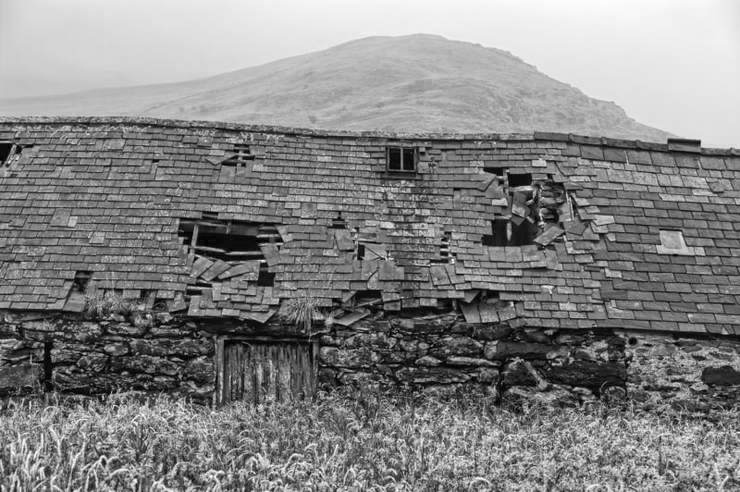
(48, 367)
(516, 180)
(401, 159)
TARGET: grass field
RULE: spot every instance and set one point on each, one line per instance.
(358, 443)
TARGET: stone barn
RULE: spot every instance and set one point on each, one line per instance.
(227, 262)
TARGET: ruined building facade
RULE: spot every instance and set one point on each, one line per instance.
(226, 261)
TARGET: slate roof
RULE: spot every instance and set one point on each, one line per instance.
(108, 195)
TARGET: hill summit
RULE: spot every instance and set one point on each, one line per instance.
(419, 83)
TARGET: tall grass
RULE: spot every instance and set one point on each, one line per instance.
(364, 442)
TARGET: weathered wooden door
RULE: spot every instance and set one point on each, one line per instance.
(258, 371)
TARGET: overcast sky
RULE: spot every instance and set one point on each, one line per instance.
(672, 64)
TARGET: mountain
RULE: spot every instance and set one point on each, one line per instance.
(408, 83)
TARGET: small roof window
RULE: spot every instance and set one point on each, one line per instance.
(401, 159)
(672, 242)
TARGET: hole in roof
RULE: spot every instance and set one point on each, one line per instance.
(228, 240)
(265, 278)
(445, 255)
(499, 233)
(5, 149)
(338, 222)
(81, 281)
(242, 154)
(360, 251)
(524, 179)
(367, 297)
(523, 233)
(498, 171)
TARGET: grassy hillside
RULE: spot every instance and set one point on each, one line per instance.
(366, 442)
(411, 83)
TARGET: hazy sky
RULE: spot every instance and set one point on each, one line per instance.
(672, 64)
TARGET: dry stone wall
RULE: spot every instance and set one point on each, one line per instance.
(430, 351)
(442, 352)
(688, 372)
(143, 352)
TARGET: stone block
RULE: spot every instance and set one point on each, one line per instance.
(428, 361)
(500, 350)
(432, 375)
(200, 369)
(458, 345)
(721, 376)
(126, 329)
(457, 360)
(587, 374)
(518, 374)
(336, 357)
(116, 349)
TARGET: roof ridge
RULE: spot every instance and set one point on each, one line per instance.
(286, 130)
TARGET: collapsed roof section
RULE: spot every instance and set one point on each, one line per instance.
(223, 220)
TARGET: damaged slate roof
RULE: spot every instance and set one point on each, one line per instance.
(227, 220)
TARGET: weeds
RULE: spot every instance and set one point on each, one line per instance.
(101, 305)
(300, 311)
(364, 441)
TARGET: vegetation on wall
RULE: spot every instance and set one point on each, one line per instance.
(103, 304)
(300, 312)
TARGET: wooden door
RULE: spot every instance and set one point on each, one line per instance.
(259, 371)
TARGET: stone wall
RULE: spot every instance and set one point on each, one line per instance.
(141, 352)
(442, 352)
(435, 352)
(686, 372)
(565, 366)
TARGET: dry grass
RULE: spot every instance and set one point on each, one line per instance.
(366, 442)
(300, 312)
(103, 304)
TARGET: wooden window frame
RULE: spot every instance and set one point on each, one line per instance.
(402, 150)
